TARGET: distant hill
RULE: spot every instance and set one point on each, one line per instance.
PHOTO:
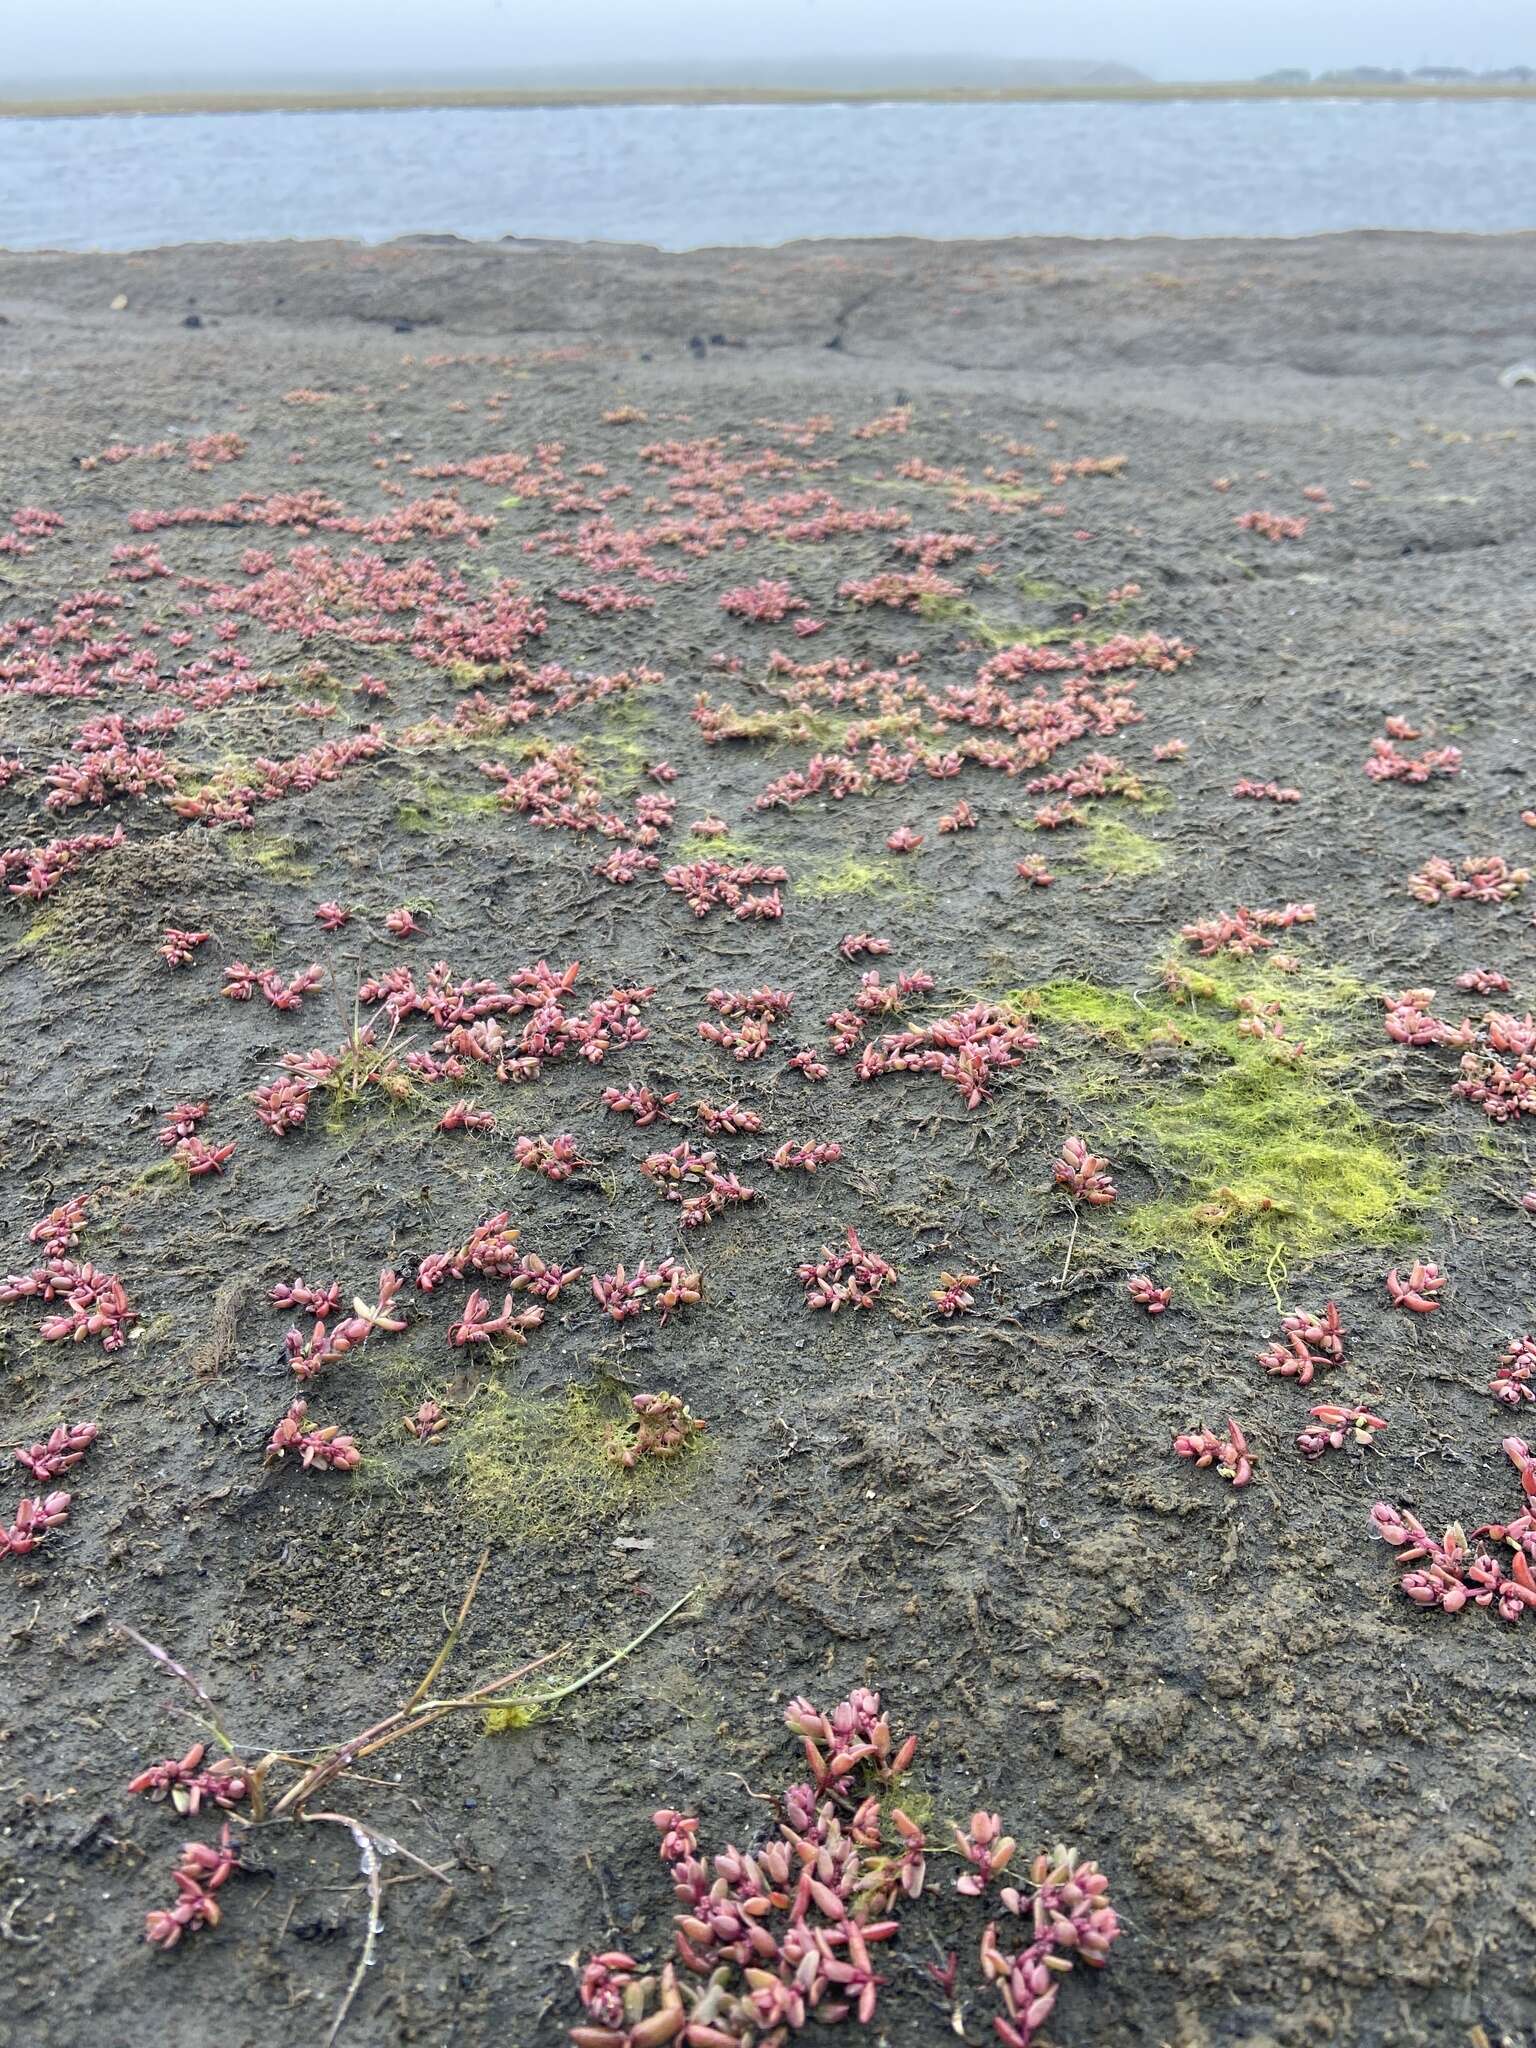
(861, 73)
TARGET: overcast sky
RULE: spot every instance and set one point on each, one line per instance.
(1168, 38)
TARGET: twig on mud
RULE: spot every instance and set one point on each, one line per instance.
(368, 1863)
(1066, 1264)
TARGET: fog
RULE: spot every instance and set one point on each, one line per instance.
(166, 41)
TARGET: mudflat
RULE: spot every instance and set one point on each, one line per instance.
(387, 583)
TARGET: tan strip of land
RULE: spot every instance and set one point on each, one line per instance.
(732, 95)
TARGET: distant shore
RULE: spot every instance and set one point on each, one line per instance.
(733, 95)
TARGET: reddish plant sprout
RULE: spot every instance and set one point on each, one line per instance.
(331, 916)
(463, 1116)
(1273, 526)
(199, 1158)
(707, 885)
(283, 1105)
(239, 981)
(1057, 817)
(953, 1295)
(1083, 1174)
(626, 864)
(490, 1250)
(476, 1324)
(427, 1424)
(1308, 1343)
(96, 1304)
(804, 1156)
(1244, 931)
(298, 1293)
(32, 1522)
(43, 867)
(709, 827)
(1450, 1574)
(556, 1158)
(966, 1049)
(1514, 1380)
(310, 1356)
(659, 1426)
(696, 1182)
(289, 995)
(1146, 1293)
(1333, 1427)
(401, 923)
(808, 1062)
(59, 1231)
(643, 1104)
(1033, 869)
(904, 840)
(1420, 1291)
(66, 1445)
(1230, 1453)
(902, 592)
(853, 1277)
(961, 819)
(181, 1122)
(1385, 763)
(669, 1286)
(189, 1787)
(317, 1449)
(986, 1849)
(1485, 878)
(731, 1117)
(852, 944)
(767, 601)
(1498, 1072)
(1484, 981)
(178, 948)
(541, 1277)
(1265, 792)
(1409, 1021)
(202, 1870)
(1073, 1922)
(1170, 750)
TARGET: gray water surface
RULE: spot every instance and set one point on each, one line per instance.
(684, 177)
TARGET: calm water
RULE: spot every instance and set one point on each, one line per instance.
(687, 176)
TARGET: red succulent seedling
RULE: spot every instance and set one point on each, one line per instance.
(1421, 1289)
(1146, 1293)
(1515, 1380)
(1230, 1454)
(66, 1446)
(1083, 1174)
(953, 1296)
(32, 1522)
(201, 1871)
(1337, 1426)
(660, 1426)
(189, 1787)
(317, 1449)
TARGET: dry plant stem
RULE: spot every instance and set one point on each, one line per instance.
(547, 1699)
(1066, 1264)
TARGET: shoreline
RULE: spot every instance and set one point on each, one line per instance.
(394, 100)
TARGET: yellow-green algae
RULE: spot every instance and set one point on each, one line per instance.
(541, 1469)
(1271, 1161)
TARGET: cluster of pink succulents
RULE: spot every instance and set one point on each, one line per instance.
(1082, 1174)
(659, 1426)
(1449, 1573)
(900, 590)
(94, 1304)
(1515, 1379)
(1482, 878)
(427, 1424)
(203, 1868)
(696, 1181)
(853, 1277)
(1146, 1293)
(772, 1938)
(968, 1049)
(1483, 981)
(1332, 1426)
(1228, 1451)
(852, 944)
(178, 947)
(954, 1295)
(556, 1158)
(35, 1517)
(805, 1155)
(1033, 869)
(1244, 931)
(733, 1118)
(1387, 763)
(1308, 1344)
(1273, 526)
(642, 1103)
(739, 887)
(324, 1347)
(464, 1116)
(667, 1286)
(190, 1784)
(42, 868)
(1265, 792)
(477, 1325)
(767, 601)
(242, 982)
(1420, 1291)
(316, 1448)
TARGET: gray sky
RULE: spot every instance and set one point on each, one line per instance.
(1168, 38)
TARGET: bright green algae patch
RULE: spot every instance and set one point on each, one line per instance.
(1266, 1161)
